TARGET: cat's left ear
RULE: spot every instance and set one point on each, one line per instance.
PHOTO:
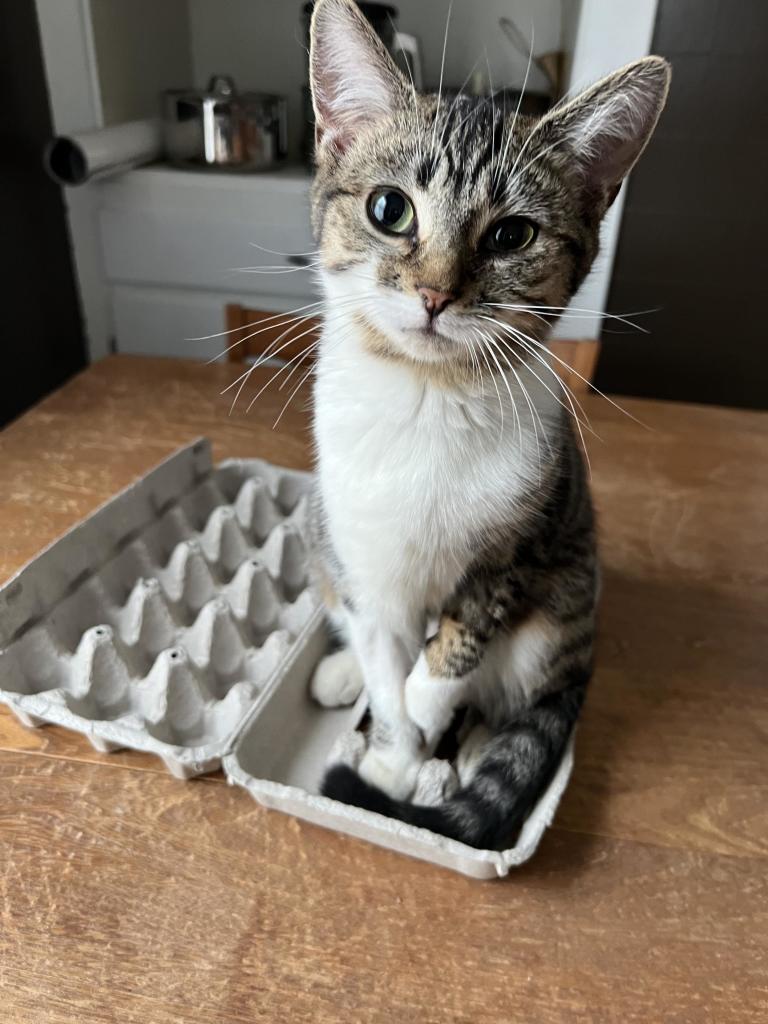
(608, 126)
(354, 80)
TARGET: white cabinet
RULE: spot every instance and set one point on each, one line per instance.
(173, 240)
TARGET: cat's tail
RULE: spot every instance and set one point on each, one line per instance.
(515, 767)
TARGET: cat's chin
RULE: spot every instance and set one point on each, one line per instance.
(431, 352)
(419, 345)
(427, 345)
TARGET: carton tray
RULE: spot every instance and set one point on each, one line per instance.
(178, 619)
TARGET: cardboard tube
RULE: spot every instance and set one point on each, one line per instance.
(75, 159)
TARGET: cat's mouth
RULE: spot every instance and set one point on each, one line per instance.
(432, 339)
(418, 343)
(444, 338)
(430, 330)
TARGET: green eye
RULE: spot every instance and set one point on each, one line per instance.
(391, 211)
(510, 234)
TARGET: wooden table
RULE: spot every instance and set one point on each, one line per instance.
(127, 896)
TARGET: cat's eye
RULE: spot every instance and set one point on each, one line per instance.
(391, 211)
(510, 234)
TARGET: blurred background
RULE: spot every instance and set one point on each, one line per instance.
(184, 130)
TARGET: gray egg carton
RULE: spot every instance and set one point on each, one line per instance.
(158, 622)
(178, 619)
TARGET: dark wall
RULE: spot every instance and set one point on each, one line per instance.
(41, 328)
(694, 237)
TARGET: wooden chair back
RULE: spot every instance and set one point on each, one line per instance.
(254, 332)
(578, 360)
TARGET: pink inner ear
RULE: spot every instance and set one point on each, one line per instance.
(329, 124)
(329, 137)
(599, 171)
(613, 162)
(353, 78)
(609, 125)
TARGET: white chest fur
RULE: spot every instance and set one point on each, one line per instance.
(411, 475)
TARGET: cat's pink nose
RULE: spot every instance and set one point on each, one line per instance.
(434, 301)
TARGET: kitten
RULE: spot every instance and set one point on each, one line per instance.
(452, 524)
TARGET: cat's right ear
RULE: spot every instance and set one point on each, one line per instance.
(354, 80)
(603, 131)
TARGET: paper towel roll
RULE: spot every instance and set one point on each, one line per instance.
(75, 159)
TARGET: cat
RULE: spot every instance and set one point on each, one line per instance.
(452, 526)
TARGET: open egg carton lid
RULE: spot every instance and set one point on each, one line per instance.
(178, 619)
(159, 622)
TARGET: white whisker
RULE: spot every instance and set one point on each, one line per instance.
(253, 334)
(273, 270)
(568, 310)
(292, 395)
(442, 72)
(484, 354)
(570, 398)
(243, 327)
(518, 426)
(521, 340)
(269, 325)
(503, 157)
(561, 383)
(288, 255)
(416, 118)
(270, 352)
(589, 383)
(295, 359)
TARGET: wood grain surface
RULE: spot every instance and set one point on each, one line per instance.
(127, 896)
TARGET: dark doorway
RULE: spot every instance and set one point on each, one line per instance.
(695, 228)
(42, 331)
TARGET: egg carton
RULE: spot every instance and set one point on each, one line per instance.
(157, 623)
(178, 619)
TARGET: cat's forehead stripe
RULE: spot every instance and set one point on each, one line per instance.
(468, 147)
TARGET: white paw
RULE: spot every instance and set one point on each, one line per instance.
(391, 769)
(338, 680)
(435, 784)
(430, 700)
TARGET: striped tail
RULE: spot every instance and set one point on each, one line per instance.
(517, 765)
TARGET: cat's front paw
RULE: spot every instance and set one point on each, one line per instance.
(393, 770)
(430, 700)
(338, 680)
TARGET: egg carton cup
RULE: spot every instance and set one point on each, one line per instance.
(178, 619)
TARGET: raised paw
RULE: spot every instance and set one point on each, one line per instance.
(337, 680)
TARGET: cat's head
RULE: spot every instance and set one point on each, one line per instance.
(433, 214)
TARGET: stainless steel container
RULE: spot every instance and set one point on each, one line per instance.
(221, 128)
